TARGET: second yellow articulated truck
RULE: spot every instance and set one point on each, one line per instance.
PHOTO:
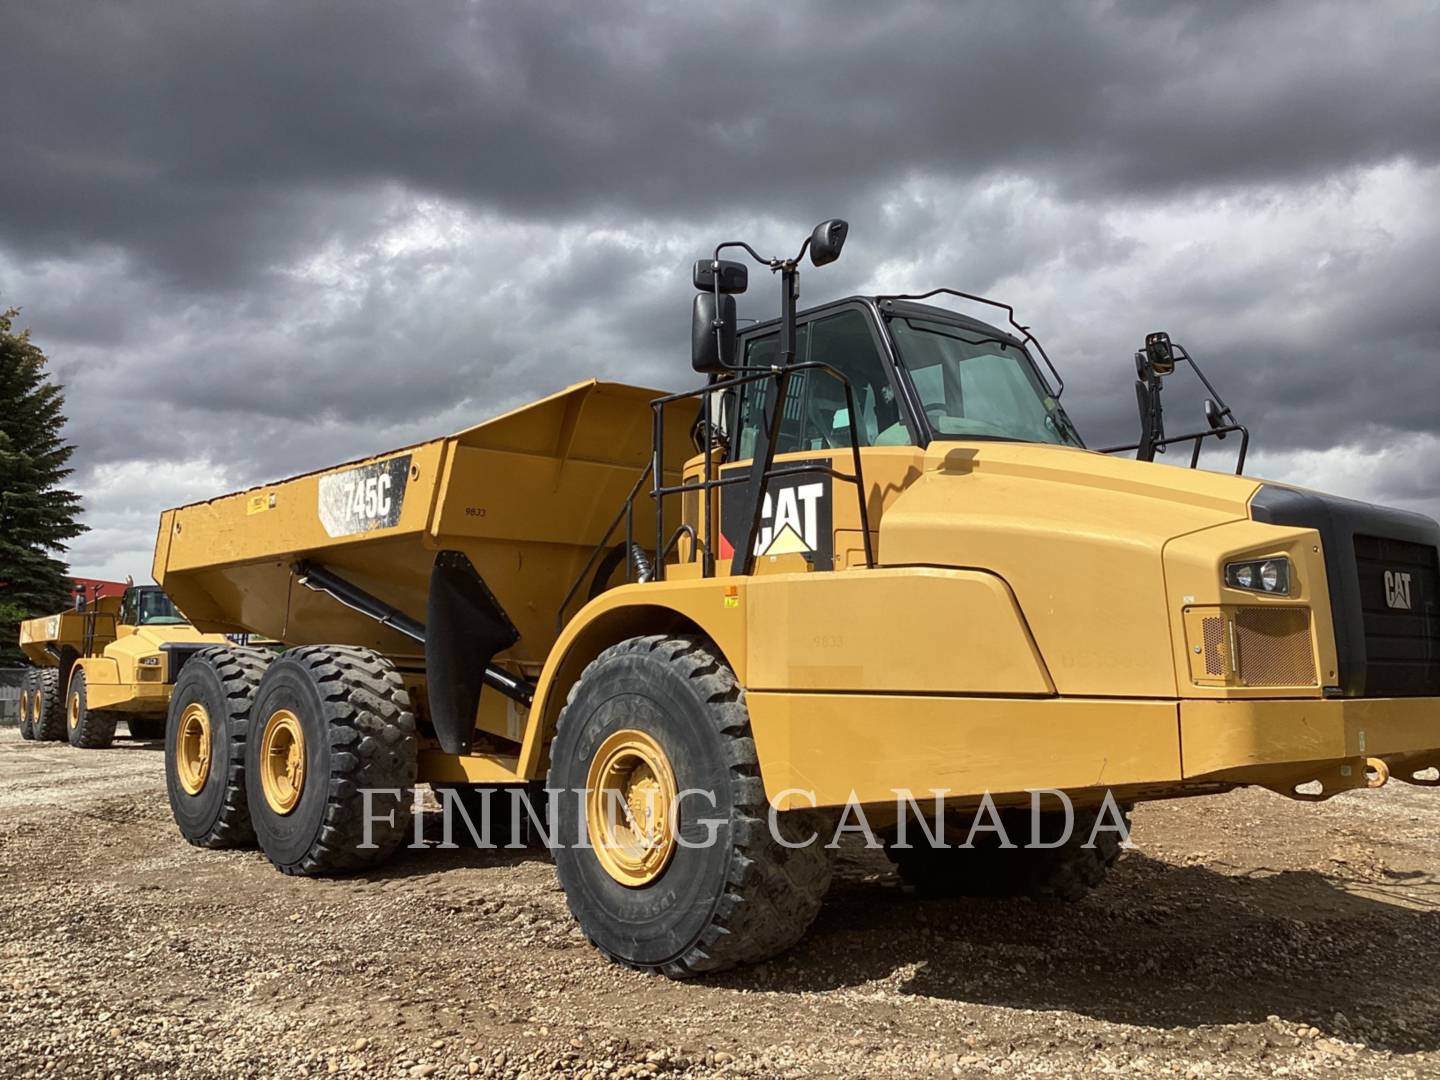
(871, 555)
(112, 659)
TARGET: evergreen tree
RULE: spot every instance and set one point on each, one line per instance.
(37, 515)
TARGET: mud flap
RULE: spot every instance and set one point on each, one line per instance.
(465, 627)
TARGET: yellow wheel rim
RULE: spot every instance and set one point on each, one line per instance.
(75, 709)
(36, 707)
(25, 713)
(192, 748)
(282, 761)
(629, 807)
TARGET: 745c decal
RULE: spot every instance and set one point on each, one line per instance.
(364, 498)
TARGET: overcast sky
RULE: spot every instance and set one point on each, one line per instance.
(259, 238)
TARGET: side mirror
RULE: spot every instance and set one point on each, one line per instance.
(827, 240)
(707, 354)
(1214, 418)
(1159, 353)
(734, 277)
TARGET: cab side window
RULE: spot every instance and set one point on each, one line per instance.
(846, 342)
(816, 416)
(761, 352)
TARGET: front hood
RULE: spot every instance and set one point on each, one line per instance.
(156, 636)
(1079, 537)
(1088, 470)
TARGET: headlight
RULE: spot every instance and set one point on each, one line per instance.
(1260, 575)
(150, 661)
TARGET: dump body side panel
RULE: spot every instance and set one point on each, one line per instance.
(45, 638)
(527, 498)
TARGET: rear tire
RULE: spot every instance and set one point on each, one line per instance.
(48, 719)
(90, 729)
(741, 899)
(329, 723)
(205, 745)
(1062, 874)
(27, 693)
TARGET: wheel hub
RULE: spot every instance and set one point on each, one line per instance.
(282, 761)
(75, 709)
(192, 748)
(629, 807)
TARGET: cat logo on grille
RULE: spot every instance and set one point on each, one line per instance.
(1397, 589)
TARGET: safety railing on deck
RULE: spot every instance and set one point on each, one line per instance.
(705, 545)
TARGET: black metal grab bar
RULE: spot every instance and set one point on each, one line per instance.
(761, 472)
(1198, 437)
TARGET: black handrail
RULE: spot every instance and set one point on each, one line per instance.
(1197, 436)
(766, 473)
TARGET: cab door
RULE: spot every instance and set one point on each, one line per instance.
(809, 520)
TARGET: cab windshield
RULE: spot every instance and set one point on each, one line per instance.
(978, 385)
(155, 609)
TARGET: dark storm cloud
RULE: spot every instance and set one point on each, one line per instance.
(212, 139)
(259, 238)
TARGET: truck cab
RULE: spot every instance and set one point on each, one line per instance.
(129, 667)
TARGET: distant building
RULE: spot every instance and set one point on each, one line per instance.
(105, 588)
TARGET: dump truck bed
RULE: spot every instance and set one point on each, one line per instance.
(526, 497)
(45, 639)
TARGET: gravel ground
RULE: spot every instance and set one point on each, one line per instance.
(1246, 935)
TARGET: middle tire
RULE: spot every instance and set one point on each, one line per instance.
(205, 745)
(329, 723)
(658, 716)
(47, 716)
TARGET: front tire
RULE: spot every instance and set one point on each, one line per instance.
(205, 745)
(665, 714)
(89, 729)
(48, 706)
(1059, 874)
(146, 727)
(329, 723)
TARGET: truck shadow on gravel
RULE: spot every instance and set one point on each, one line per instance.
(1158, 945)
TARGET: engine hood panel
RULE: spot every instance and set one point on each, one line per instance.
(1079, 536)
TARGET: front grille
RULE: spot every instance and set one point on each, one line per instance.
(1400, 606)
(1217, 646)
(1260, 645)
(1274, 646)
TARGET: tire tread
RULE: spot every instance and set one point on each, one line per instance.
(773, 893)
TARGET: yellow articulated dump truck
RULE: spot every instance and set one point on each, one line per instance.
(869, 567)
(112, 659)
